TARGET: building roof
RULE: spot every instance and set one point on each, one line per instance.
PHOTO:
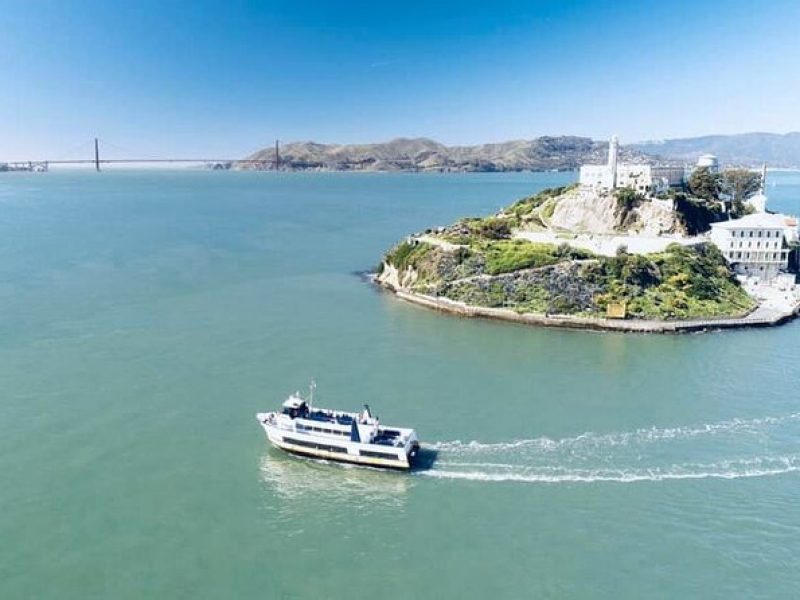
(758, 221)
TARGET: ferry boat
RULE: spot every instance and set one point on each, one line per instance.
(350, 437)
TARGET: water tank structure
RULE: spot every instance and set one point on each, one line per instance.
(710, 161)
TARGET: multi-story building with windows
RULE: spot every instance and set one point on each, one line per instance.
(757, 245)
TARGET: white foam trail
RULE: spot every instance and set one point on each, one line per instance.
(639, 436)
(744, 468)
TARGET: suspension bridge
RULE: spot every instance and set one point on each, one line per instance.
(271, 163)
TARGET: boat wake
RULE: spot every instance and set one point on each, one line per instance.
(732, 449)
(752, 467)
(638, 436)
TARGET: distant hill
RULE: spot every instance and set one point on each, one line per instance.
(745, 149)
(540, 154)
(422, 154)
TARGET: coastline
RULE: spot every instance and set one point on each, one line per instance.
(756, 318)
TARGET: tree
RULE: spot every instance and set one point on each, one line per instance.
(640, 271)
(628, 198)
(494, 228)
(696, 214)
(705, 184)
(740, 184)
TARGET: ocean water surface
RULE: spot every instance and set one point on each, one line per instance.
(145, 317)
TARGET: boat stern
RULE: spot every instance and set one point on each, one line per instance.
(412, 448)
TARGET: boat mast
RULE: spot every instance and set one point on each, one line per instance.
(312, 386)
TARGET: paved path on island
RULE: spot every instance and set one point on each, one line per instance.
(607, 245)
(435, 241)
(601, 244)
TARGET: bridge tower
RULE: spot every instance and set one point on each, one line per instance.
(96, 155)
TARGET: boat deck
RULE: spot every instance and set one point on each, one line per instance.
(325, 417)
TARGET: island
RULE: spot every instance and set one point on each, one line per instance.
(629, 248)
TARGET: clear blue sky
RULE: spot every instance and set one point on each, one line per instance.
(224, 78)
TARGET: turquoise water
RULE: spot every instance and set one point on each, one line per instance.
(145, 317)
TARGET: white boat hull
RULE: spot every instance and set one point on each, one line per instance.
(372, 455)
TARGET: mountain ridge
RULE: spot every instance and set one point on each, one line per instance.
(743, 149)
(424, 154)
(564, 152)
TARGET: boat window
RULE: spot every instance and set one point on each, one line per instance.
(314, 445)
(373, 454)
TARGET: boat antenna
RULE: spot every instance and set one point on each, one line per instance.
(312, 386)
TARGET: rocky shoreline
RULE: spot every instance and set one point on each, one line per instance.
(759, 317)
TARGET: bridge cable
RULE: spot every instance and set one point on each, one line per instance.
(70, 154)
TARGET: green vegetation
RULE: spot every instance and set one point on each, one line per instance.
(525, 213)
(484, 255)
(513, 255)
(709, 195)
(696, 214)
(408, 254)
(705, 184)
(627, 199)
(497, 294)
(488, 268)
(467, 230)
(681, 282)
(526, 205)
(740, 184)
(505, 256)
(493, 228)
(548, 209)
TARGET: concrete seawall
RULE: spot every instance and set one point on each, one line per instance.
(760, 317)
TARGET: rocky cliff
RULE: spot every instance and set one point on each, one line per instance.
(588, 211)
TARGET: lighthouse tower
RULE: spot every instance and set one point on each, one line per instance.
(613, 150)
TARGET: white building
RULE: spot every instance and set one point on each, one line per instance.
(758, 244)
(645, 179)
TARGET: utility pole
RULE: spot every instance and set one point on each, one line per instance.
(96, 155)
(277, 155)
